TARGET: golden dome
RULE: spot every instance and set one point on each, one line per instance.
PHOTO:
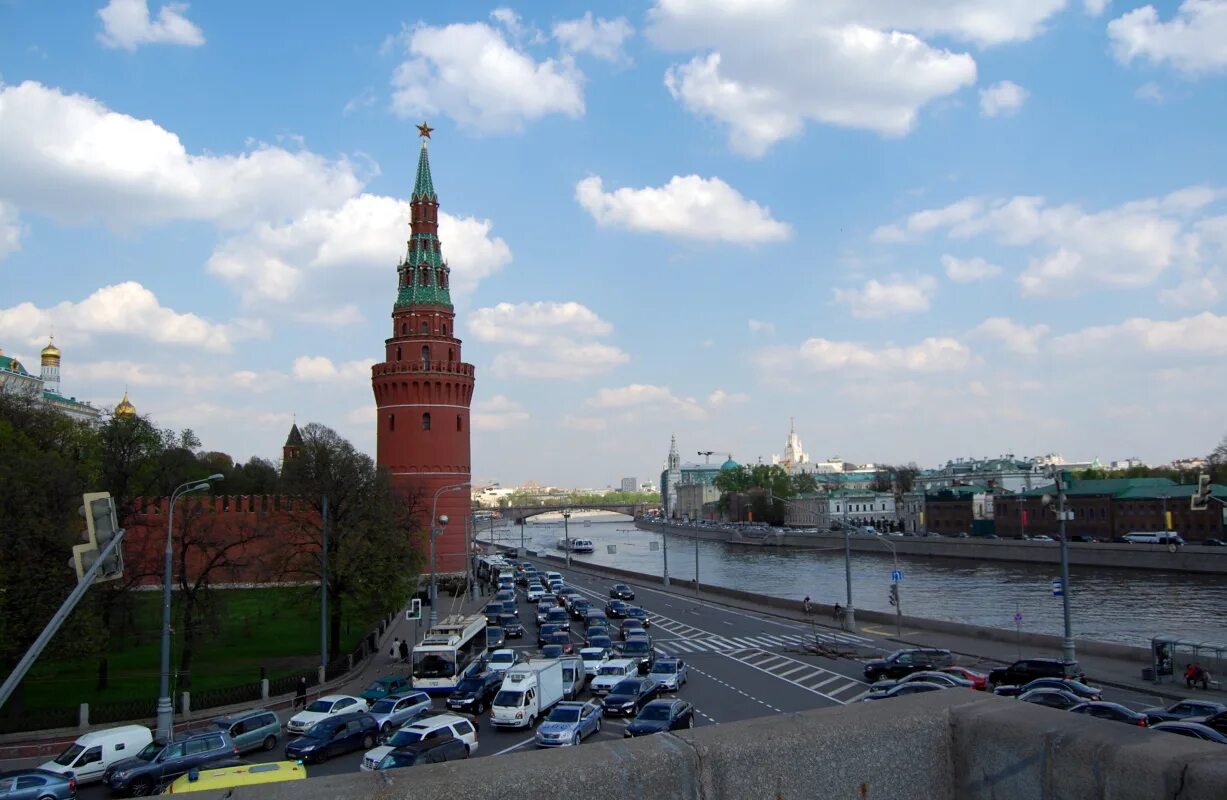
(125, 409)
(51, 353)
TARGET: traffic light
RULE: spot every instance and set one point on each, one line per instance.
(1201, 498)
(894, 594)
(414, 611)
(101, 527)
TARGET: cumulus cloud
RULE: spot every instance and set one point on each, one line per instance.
(321, 369)
(74, 159)
(760, 327)
(720, 398)
(11, 230)
(969, 270)
(934, 354)
(1002, 99)
(1197, 289)
(689, 207)
(897, 296)
(124, 309)
(1014, 336)
(1095, 7)
(499, 413)
(546, 339)
(639, 396)
(470, 73)
(1202, 335)
(126, 24)
(602, 38)
(1191, 41)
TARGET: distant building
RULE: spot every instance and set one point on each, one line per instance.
(1192, 464)
(1006, 473)
(14, 379)
(647, 487)
(630, 485)
(794, 457)
(676, 473)
(1126, 463)
(693, 498)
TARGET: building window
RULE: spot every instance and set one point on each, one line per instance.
(426, 421)
(445, 329)
(391, 422)
(459, 423)
(451, 354)
(398, 352)
(404, 328)
(425, 327)
(425, 354)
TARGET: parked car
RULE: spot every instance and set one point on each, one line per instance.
(382, 687)
(902, 690)
(569, 722)
(257, 729)
(327, 706)
(333, 737)
(512, 629)
(615, 609)
(1183, 710)
(659, 716)
(395, 710)
(88, 757)
(1194, 730)
(160, 762)
(670, 673)
(1111, 711)
(943, 679)
(621, 591)
(436, 751)
(1026, 670)
(1053, 698)
(635, 612)
(905, 662)
(427, 729)
(37, 784)
(979, 680)
(1081, 690)
(1217, 721)
(628, 696)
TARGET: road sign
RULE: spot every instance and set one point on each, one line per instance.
(1017, 617)
(414, 611)
(612, 549)
(1058, 587)
(653, 545)
(896, 575)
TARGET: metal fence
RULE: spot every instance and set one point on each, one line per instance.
(39, 719)
(120, 712)
(226, 695)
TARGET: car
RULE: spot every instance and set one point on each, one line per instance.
(1083, 538)
(560, 639)
(473, 693)
(436, 751)
(593, 658)
(659, 716)
(162, 762)
(635, 612)
(640, 651)
(424, 730)
(1213, 543)
(535, 592)
(1194, 730)
(1053, 698)
(630, 628)
(1042, 538)
(548, 629)
(621, 591)
(555, 587)
(512, 629)
(256, 729)
(602, 641)
(905, 662)
(492, 611)
(543, 609)
(611, 673)
(37, 784)
(501, 660)
(902, 690)
(569, 722)
(1217, 721)
(333, 737)
(630, 695)
(552, 651)
(327, 706)
(1111, 711)
(596, 630)
(579, 609)
(233, 775)
(559, 617)
(942, 679)
(496, 637)
(569, 597)
(1183, 710)
(1026, 670)
(670, 673)
(1077, 688)
(616, 609)
(396, 709)
(979, 680)
(382, 687)
(962, 535)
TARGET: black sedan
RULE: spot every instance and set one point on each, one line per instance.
(1053, 698)
(546, 630)
(560, 638)
(1183, 710)
(495, 637)
(1087, 693)
(1113, 711)
(1216, 721)
(579, 610)
(661, 715)
(622, 592)
(635, 612)
(615, 609)
(512, 628)
(1194, 730)
(474, 693)
(629, 696)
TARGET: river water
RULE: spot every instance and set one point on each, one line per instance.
(1107, 604)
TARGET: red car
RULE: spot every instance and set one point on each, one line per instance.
(978, 680)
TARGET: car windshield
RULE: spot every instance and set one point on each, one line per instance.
(151, 751)
(377, 686)
(612, 671)
(383, 706)
(70, 755)
(626, 687)
(635, 646)
(502, 658)
(664, 668)
(654, 712)
(507, 697)
(404, 737)
(469, 685)
(434, 664)
(563, 715)
(321, 730)
(320, 706)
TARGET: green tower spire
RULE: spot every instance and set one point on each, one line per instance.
(424, 275)
(424, 187)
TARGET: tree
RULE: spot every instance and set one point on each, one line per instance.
(804, 483)
(1216, 463)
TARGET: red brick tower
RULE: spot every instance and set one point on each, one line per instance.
(423, 389)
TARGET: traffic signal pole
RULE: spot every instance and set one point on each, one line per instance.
(52, 627)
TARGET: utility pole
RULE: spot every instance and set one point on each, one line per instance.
(1067, 643)
(324, 590)
(664, 546)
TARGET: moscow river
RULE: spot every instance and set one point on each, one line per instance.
(1107, 604)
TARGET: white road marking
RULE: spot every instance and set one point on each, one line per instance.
(515, 746)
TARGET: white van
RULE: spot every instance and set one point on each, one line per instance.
(1153, 537)
(89, 756)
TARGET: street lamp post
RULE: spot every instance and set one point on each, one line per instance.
(1067, 642)
(166, 710)
(566, 534)
(437, 524)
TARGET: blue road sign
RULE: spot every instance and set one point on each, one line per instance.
(896, 575)
(1058, 587)
(1018, 618)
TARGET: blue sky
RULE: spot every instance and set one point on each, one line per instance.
(926, 231)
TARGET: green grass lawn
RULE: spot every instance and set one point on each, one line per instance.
(276, 628)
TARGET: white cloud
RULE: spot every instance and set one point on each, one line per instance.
(690, 207)
(74, 159)
(126, 24)
(579, 423)
(639, 396)
(934, 354)
(765, 328)
(472, 74)
(1195, 290)
(1095, 7)
(124, 309)
(603, 38)
(899, 295)
(320, 369)
(546, 340)
(1017, 338)
(923, 222)
(1150, 91)
(1002, 99)
(272, 263)
(969, 270)
(1203, 334)
(11, 230)
(1191, 41)
(721, 399)
(499, 413)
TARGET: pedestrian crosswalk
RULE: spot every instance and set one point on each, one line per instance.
(693, 640)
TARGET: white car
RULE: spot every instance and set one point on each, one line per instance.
(327, 706)
(423, 730)
(502, 660)
(594, 658)
(613, 672)
(536, 592)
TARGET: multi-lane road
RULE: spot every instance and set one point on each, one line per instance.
(742, 665)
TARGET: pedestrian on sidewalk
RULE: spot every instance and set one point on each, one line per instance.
(404, 650)
(300, 694)
(805, 605)
(1190, 675)
(837, 613)
(394, 653)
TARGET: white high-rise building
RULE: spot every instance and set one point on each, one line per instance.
(794, 455)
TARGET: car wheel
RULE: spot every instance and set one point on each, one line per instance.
(270, 742)
(690, 722)
(575, 740)
(368, 741)
(385, 729)
(142, 788)
(532, 720)
(479, 707)
(598, 726)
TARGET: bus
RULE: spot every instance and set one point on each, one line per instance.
(447, 652)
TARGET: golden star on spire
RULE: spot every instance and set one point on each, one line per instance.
(424, 130)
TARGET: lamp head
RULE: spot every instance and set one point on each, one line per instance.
(216, 476)
(443, 520)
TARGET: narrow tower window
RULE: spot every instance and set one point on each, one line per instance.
(459, 423)
(445, 329)
(425, 327)
(451, 354)
(426, 421)
(391, 422)
(425, 354)
(398, 352)
(404, 328)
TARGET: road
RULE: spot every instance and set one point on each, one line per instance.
(742, 665)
